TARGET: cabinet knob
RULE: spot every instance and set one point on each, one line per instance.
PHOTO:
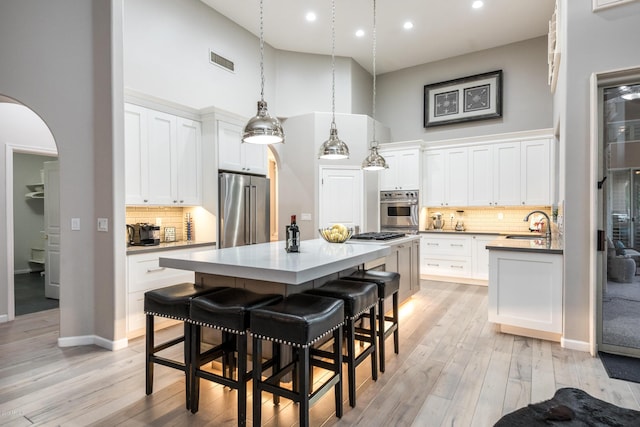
(181, 201)
(145, 200)
(175, 201)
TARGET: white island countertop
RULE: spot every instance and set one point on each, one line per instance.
(270, 262)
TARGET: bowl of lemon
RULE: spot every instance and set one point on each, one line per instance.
(337, 233)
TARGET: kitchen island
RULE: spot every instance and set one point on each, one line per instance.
(267, 267)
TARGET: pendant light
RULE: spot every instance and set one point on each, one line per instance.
(333, 148)
(374, 161)
(262, 128)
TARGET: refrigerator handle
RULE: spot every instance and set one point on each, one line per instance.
(247, 214)
(253, 227)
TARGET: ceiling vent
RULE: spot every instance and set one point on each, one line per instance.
(221, 61)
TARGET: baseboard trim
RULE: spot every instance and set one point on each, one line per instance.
(93, 340)
(4, 318)
(575, 345)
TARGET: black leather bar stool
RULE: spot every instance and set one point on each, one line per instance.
(298, 321)
(359, 298)
(227, 311)
(388, 285)
(171, 302)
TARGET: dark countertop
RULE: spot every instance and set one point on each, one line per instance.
(555, 246)
(134, 250)
(489, 233)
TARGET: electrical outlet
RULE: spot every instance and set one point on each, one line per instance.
(75, 224)
(451, 216)
(500, 216)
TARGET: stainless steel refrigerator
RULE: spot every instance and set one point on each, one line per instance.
(243, 210)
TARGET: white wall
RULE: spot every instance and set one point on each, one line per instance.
(595, 42)
(527, 100)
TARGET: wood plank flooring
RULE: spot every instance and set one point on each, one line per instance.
(454, 369)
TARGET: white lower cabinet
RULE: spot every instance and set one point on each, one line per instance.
(480, 255)
(455, 255)
(525, 290)
(143, 274)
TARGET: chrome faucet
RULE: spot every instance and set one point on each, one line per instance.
(548, 233)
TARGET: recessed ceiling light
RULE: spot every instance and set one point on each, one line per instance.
(311, 16)
(477, 4)
(360, 33)
(408, 25)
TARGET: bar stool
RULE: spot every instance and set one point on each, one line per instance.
(388, 285)
(227, 311)
(359, 298)
(298, 321)
(171, 302)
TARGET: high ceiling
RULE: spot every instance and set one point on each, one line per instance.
(441, 28)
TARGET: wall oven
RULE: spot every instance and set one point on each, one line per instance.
(399, 211)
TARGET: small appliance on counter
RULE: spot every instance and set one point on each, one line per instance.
(143, 234)
(437, 221)
(460, 221)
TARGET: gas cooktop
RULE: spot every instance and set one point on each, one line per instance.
(384, 235)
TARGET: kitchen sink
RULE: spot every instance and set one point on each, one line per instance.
(525, 237)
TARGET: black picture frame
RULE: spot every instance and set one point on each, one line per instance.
(477, 97)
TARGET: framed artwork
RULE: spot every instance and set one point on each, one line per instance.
(476, 97)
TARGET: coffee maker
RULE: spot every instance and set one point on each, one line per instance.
(143, 234)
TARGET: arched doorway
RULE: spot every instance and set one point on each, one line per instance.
(21, 131)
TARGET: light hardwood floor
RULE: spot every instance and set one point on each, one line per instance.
(453, 369)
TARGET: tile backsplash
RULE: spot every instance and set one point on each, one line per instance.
(169, 217)
(484, 219)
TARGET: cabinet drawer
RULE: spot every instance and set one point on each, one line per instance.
(144, 272)
(458, 267)
(458, 246)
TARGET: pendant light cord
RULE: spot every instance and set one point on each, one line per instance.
(261, 52)
(374, 142)
(333, 64)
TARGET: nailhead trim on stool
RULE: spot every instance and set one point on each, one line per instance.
(298, 321)
(227, 311)
(388, 285)
(359, 298)
(171, 302)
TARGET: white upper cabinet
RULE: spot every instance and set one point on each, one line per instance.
(162, 158)
(404, 169)
(535, 182)
(445, 177)
(506, 174)
(234, 155)
(480, 175)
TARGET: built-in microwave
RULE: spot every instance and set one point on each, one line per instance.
(399, 211)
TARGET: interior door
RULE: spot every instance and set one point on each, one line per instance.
(341, 196)
(52, 229)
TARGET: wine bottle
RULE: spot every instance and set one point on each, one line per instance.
(293, 236)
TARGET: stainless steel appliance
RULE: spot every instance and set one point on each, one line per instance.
(142, 234)
(243, 209)
(399, 211)
(383, 235)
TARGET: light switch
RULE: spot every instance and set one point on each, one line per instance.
(75, 224)
(103, 224)
(305, 217)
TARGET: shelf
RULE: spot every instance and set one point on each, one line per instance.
(36, 187)
(35, 195)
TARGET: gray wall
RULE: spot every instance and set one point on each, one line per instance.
(28, 213)
(527, 100)
(595, 42)
(74, 88)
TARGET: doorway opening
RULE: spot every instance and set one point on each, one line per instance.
(22, 131)
(272, 174)
(619, 293)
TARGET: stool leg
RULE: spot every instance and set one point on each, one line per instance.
(275, 352)
(396, 339)
(194, 392)
(381, 333)
(373, 342)
(149, 344)
(303, 384)
(241, 341)
(187, 362)
(351, 366)
(257, 377)
(337, 360)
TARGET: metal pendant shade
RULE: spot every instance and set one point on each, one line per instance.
(374, 161)
(262, 128)
(333, 148)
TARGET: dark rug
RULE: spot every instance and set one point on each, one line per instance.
(571, 407)
(621, 367)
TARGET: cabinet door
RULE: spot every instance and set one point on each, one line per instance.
(254, 159)
(161, 158)
(136, 151)
(480, 187)
(389, 177)
(229, 146)
(188, 154)
(408, 173)
(434, 178)
(506, 174)
(404, 268)
(535, 172)
(480, 256)
(456, 166)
